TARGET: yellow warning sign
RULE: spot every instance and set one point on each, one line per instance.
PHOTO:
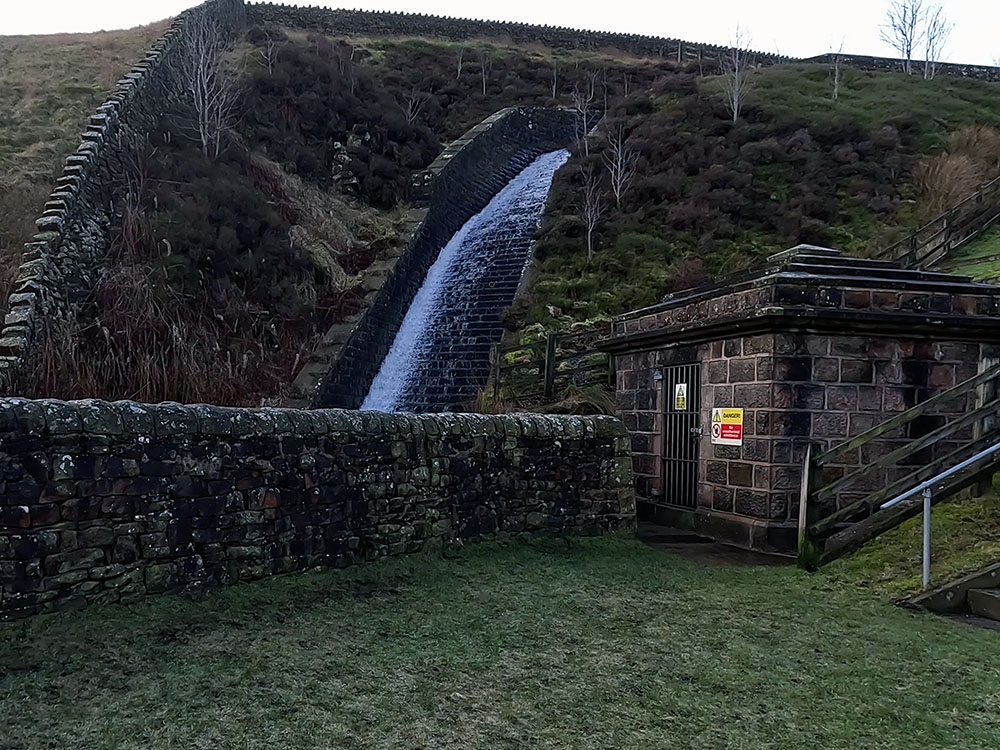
(680, 396)
(727, 426)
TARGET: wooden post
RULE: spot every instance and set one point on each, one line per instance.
(550, 365)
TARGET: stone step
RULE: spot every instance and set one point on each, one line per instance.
(985, 603)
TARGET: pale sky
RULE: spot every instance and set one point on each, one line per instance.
(799, 28)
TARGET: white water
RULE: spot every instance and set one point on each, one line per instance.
(519, 203)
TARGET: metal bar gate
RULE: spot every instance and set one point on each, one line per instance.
(680, 420)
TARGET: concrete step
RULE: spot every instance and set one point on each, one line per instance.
(985, 603)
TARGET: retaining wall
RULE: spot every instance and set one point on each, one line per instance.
(105, 502)
(466, 178)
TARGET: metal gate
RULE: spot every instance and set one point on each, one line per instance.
(680, 405)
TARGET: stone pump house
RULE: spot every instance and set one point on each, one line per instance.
(723, 387)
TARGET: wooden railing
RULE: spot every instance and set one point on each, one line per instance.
(828, 475)
(955, 228)
(536, 371)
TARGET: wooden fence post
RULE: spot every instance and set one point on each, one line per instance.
(550, 365)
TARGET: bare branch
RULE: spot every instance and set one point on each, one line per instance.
(582, 100)
(413, 103)
(555, 79)
(903, 30)
(593, 209)
(837, 64)
(620, 159)
(485, 66)
(210, 87)
(935, 39)
(737, 73)
(459, 62)
(269, 52)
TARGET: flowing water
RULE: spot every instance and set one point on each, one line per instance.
(440, 357)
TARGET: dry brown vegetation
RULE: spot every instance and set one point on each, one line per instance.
(972, 158)
(49, 86)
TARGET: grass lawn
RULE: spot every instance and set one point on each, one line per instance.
(977, 259)
(965, 536)
(602, 644)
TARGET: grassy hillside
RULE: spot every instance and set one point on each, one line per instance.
(231, 268)
(712, 197)
(49, 86)
(979, 259)
(965, 536)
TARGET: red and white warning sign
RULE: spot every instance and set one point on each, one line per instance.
(727, 426)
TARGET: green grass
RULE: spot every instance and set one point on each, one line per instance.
(600, 644)
(925, 112)
(965, 536)
(970, 260)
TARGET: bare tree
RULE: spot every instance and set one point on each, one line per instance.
(269, 52)
(626, 85)
(593, 209)
(459, 62)
(737, 72)
(345, 52)
(837, 65)
(935, 38)
(413, 103)
(903, 30)
(620, 158)
(485, 66)
(555, 79)
(582, 99)
(210, 86)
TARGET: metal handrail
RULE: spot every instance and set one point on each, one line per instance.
(926, 489)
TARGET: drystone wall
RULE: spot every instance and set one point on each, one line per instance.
(374, 23)
(952, 70)
(475, 168)
(62, 262)
(109, 502)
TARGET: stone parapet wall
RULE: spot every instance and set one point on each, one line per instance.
(464, 180)
(63, 261)
(108, 502)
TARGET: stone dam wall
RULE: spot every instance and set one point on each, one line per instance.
(467, 177)
(109, 502)
(62, 263)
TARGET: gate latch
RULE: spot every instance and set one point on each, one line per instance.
(697, 431)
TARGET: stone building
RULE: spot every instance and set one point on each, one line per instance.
(723, 387)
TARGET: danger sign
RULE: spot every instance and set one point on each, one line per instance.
(727, 426)
(680, 396)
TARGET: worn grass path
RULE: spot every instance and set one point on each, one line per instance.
(601, 644)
